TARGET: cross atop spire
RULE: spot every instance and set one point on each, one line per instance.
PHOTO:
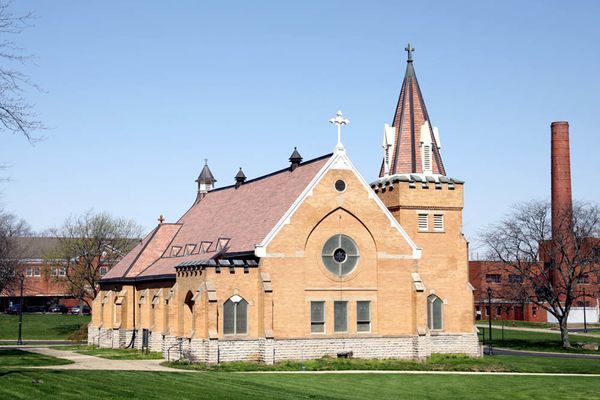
(339, 120)
(409, 49)
(411, 144)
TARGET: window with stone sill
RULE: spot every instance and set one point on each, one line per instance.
(434, 312)
(363, 316)
(235, 316)
(317, 317)
(340, 316)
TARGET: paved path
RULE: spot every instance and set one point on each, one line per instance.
(39, 342)
(511, 352)
(85, 362)
(540, 330)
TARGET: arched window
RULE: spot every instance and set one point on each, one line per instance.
(235, 316)
(434, 312)
(189, 301)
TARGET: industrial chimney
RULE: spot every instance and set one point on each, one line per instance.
(562, 203)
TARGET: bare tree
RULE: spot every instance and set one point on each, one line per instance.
(11, 227)
(16, 113)
(550, 265)
(88, 242)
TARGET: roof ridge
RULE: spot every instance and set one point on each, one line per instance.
(273, 173)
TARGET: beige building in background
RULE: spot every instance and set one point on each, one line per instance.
(307, 261)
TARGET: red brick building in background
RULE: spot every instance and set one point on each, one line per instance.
(507, 301)
(44, 282)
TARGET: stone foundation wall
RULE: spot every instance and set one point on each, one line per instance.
(272, 350)
(456, 344)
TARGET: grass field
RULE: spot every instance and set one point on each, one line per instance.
(41, 326)
(18, 358)
(38, 384)
(434, 363)
(537, 341)
(113, 354)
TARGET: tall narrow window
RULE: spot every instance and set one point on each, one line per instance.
(438, 222)
(29, 271)
(340, 316)
(426, 158)
(37, 271)
(434, 312)
(363, 316)
(235, 316)
(317, 316)
(423, 222)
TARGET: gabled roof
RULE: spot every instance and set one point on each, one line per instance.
(409, 120)
(241, 217)
(34, 248)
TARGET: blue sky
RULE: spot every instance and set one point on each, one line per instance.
(137, 93)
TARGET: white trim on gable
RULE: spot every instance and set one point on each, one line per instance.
(339, 160)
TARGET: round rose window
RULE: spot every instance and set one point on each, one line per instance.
(340, 255)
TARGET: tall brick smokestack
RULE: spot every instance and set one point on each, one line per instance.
(562, 203)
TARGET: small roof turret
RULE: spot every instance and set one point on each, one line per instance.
(295, 159)
(240, 178)
(206, 175)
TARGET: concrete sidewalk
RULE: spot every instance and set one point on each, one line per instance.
(540, 330)
(85, 362)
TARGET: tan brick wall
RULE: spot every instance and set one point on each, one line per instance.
(298, 276)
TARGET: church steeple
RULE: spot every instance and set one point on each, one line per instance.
(411, 145)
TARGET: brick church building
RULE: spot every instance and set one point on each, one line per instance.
(306, 261)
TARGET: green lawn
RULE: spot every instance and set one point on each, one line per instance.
(537, 341)
(30, 384)
(113, 354)
(19, 358)
(437, 362)
(41, 326)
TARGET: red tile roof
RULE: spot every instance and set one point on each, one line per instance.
(409, 116)
(244, 215)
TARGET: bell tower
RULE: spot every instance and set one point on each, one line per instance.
(428, 204)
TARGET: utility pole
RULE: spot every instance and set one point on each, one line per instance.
(489, 293)
(20, 339)
(584, 313)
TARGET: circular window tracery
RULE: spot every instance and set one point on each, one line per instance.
(340, 255)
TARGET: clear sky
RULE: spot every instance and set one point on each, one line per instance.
(137, 94)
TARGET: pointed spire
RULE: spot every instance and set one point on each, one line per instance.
(411, 144)
(240, 178)
(295, 159)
